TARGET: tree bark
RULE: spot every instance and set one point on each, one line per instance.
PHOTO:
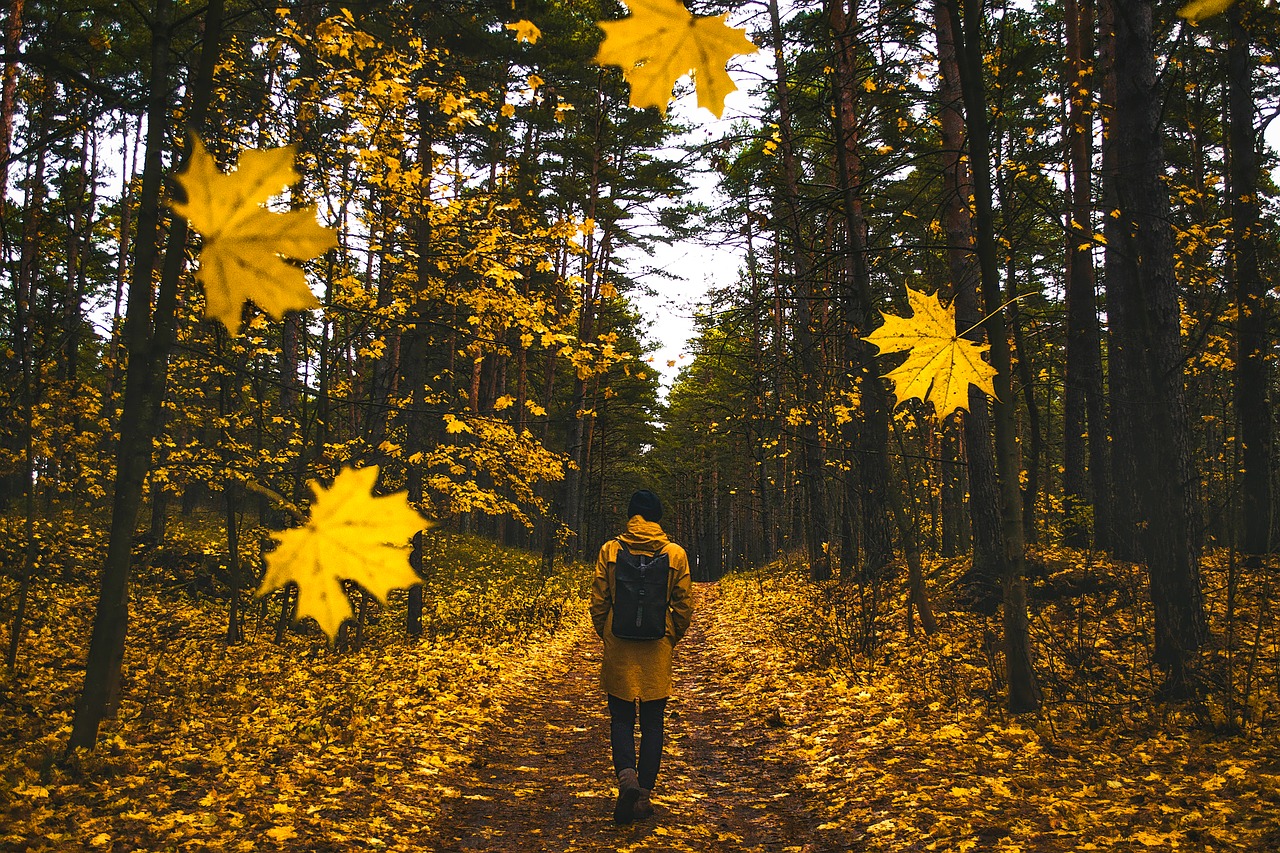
(1024, 691)
(1117, 269)
(955, 532)
(1252, 385)
(9, 86)
(1153, 356)
(982, 581)
(148, 337)
(412, 367)
(871, 433)
(815, 510)
(1084, 430)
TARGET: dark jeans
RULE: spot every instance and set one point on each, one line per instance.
(622, 737)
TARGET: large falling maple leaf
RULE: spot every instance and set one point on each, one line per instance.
(661, 41)
(244, 243)
(351, 535)
(940, 364)
(1200, 10)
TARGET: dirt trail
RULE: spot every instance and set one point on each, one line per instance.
(542, 778)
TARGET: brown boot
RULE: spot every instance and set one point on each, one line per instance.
(628, 792)
(643, 808)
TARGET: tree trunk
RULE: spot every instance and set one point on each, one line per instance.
(1083, 483)
(1035, 443)
(9, 86)
(148, 350)
(1153, 356)
(1117, 269)
(412, 367)
(871, 434)
(235, 627)
(815, 511)
(955, 533)
(1252, 386)
(982, 581)
(1024, 692)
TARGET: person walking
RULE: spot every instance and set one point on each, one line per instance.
(637, 671)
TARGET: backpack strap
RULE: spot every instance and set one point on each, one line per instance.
(623, 546)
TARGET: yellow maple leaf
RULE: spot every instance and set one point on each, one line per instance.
(1198, 10)
(282, 833)
(244, 243)
(661, 41)
(351, 535)
(525, 31)
(941, 364)
(454, 425)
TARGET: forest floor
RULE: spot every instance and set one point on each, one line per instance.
(731, 779)
(455, 743)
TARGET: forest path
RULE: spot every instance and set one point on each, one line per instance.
(541, 778)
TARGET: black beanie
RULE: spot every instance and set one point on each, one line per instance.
(645, 503)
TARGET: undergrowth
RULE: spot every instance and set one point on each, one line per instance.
(909, 743)
(1091, 631)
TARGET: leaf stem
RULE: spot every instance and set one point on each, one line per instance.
(993, 313)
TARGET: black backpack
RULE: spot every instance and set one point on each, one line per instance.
(640, 595)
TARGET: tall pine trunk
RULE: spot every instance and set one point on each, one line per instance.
(1117, 269)
(1084, 432)
(815, 510)
(871, 433)
(1252, 386)
(412, 367)
(982, 582)
(1150, 325)
(966, 30)
(148, 337)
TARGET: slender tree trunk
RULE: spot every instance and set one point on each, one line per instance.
(1035, 443)
(1151, 328)
(908, 523)
(1117, 269)
(235, 627)
(1085, 484)
(1252, 386)
(871, 434)
(288, 604)
(148, 350)
(1024, 692)
(114, 351)
(955, 533)
(23, 338)
(815, 515)
(982, 582)
(412, 368)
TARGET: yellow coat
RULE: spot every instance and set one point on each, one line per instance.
(640, 669)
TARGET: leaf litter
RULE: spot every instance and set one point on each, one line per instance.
(496, 739)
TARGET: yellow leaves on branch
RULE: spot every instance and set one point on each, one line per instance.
(661, 41)
(351, 535)
(940, 364)
(244, 243)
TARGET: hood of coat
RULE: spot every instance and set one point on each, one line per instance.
(644, 535)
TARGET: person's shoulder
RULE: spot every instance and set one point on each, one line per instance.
(675, 551)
